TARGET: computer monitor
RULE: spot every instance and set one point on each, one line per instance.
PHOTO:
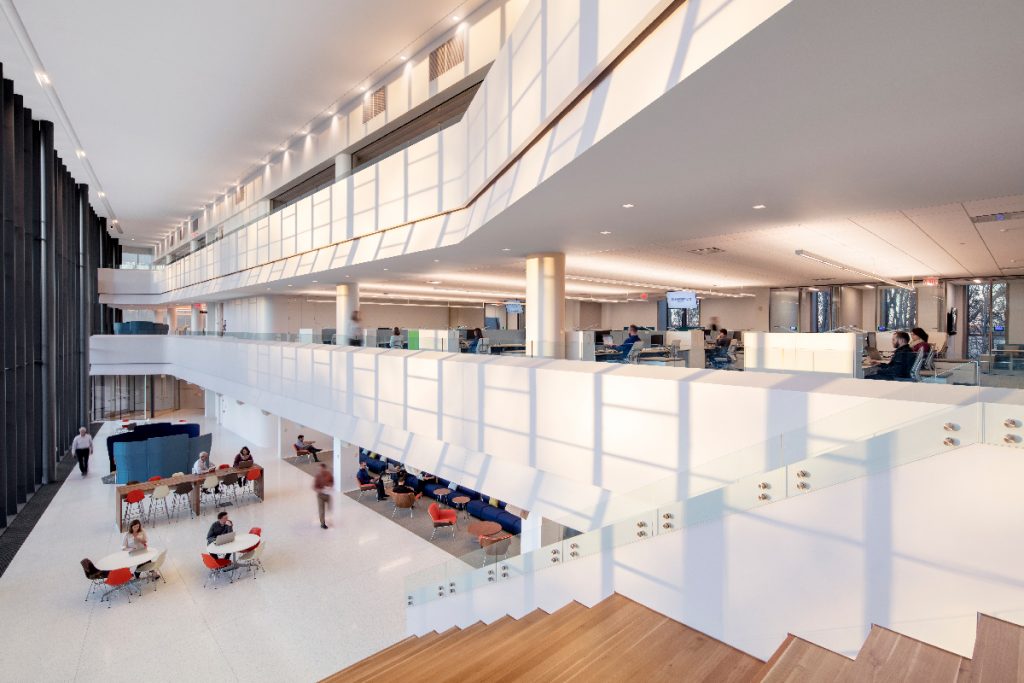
(514, 307)
(601, 335)
(657, 340)
(608, 340)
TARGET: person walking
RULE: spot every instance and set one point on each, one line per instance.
(82, 447)
(322, 483)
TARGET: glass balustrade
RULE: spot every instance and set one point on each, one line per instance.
(797, 463)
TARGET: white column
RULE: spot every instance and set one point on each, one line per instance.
(211, 319)
(342, 166)
(172, 318)
(266, 316)
(545, 305)
(346, 464)
(194, 320)
(211, 405)
(346, 303)
(158, 316)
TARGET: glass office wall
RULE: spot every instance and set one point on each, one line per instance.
(897, 308)
(784, 310)
(987, 305)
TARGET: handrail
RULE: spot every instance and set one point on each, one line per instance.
(945, 430)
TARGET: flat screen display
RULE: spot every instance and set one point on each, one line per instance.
(515, 307)
(683, 298)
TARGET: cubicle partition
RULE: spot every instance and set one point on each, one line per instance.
(837, 354)
(160, 448)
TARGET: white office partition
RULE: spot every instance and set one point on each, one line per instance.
(826, 353)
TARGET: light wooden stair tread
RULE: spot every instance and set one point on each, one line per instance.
(998, 651)
(801, 660)
(888, 655)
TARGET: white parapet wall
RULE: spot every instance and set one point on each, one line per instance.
(543, 432)
(835, 354)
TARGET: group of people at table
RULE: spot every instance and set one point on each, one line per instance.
(905, 348)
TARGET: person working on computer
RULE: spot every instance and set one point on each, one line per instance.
(473, 337)
(396, 339)
(919, 340)
(222, 526)
(723, 339)
(902, 360)
(627, 345)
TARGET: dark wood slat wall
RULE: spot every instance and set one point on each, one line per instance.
(51, 245)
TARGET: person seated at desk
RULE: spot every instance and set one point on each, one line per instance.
(203, 465)
(244, 455)
(919, 340)
(627, 345)
(723, 339)
(364, 477)
(474, 337)
(396, 339)
(135, 539)
(222, 526)
(303, 445)
(901, 363)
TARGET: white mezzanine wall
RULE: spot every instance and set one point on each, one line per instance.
(612, 427)
(618, 316)
(420, 193)
(744, 313)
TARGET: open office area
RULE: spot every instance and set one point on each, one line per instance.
(516, 340)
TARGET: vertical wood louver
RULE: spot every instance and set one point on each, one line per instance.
(447, 56)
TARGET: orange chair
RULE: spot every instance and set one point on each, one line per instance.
(155, 478)
(442, 518)
(224, 467)
(302, 451)
(363, 488)
(250, 481)
(133, 500)
(216, 567)
(259, 532)
(119, 580)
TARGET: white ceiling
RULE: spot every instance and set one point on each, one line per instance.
(872, 131)
(173, 100)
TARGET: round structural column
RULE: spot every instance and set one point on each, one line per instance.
(545, 305)
(345, 305)
(194, 327)
(172, 318)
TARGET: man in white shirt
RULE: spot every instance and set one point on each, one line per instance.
(203, 464)
(82, 447)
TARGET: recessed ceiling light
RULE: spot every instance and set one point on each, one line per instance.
(362, 88)
(437, 260)
(289, 285)
(977, 281)
(606, 232)
(348, 276)
(403, 58)
(315, 281)
(456, 18)
(869, 286)
(43, 78)
(101, 194)
(80, 153)
(385, 269)
(505, 249)
(627, 206)
(759, 206)
(433, 282)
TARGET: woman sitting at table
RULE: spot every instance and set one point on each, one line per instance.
(243, 456)
(135, 539)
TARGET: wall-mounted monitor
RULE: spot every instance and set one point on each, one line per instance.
(515, 307)
(683, 298)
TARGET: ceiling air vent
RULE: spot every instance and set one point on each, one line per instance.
(374, 104)
(448, 55)
(999, 217)
(706, 251)
(822, 279)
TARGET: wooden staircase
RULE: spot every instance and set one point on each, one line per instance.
(618, 640)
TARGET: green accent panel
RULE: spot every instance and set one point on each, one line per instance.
(414, 340)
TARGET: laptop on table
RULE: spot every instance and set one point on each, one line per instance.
(224, 539)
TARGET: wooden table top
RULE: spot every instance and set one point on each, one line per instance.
(182, 479)
(461, 500)
(442, 492)
(484, 528)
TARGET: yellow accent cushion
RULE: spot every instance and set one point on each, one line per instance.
(493, 501)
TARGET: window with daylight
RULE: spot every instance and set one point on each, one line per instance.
(986, 317)
(897, 309)
(679, 318)
(821, 313)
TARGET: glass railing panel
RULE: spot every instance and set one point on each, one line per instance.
(946, 429)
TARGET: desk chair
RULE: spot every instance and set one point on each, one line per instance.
(182, 498)
(403, 501)
(484, 345)
(251, 559)
(495, 548)
(152, 568)
(632, 356)
(363, 488)
(97, 577)
(119, 580)
(217, 568)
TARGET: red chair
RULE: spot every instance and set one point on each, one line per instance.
(119, 580)
(259, 532)
(302, 451)
(442, 518)
(223, 467)
(250, 481)
(216, 567)
(155, 478)
(134, 500)
(363, 488)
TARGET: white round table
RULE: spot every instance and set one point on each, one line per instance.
(241, 542)
(124, 559)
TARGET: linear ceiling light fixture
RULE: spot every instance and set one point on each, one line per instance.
(42, 75)
(850, 269)
(650, 286)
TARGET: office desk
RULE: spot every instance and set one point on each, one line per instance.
(507, 346)
(194, 479)
(602, 353)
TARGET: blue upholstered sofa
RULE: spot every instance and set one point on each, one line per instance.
(479, 505)
(140, 327)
